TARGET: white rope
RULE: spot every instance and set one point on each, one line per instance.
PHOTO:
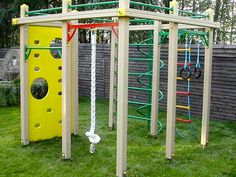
(93, 138)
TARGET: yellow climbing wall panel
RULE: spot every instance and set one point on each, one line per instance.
(45, 115)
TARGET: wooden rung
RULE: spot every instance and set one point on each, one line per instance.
(180, 78)
(183, 107)
(184, 120)
(182, 64)
(183, 49)
(183, 93)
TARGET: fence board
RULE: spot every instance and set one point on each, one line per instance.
(223, 104)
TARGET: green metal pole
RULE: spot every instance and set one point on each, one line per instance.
(93, 4)
(150, 6)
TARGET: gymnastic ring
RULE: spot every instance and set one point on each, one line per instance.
(183, 70)
(197, 72)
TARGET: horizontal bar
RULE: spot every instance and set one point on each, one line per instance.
(183, 64)
(198, 17)
(182, 50)
(141, 27)
(132, 21)
(92, 25)
(180, 78)
(184, 120)
(141, 21)
(107, 13)
(192, 13)
(43, 48)
(93, 4)
(135, 13)
(135, 74)
(201, 33)
(140, 59)
(49, 24)
(139, 103)
(138, 117)
(183, 93)
(102, 20)
(36, 12)
(141, 89)
(182, 26)
(183, 107)
(142, 45)
(150, 5)
(163, 26)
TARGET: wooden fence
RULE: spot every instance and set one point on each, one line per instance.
(223, 104)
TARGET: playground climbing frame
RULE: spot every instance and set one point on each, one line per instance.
(124, 12)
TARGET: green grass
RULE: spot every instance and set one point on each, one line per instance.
(146, 156)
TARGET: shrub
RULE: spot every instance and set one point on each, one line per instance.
(9, 94)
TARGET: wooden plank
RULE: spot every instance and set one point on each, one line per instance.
(75, 79)
(206, 106)
(24, 80)
(122, 92)
(155, 79)
(112, 105)
(66, 89)
(171, 91)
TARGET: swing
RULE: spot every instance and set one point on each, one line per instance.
(198, 70)
(185, 72)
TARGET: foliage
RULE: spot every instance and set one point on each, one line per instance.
(10, 93)
(39, 89)
(146, 156)
(225, 13)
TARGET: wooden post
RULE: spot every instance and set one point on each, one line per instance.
(207, 83)
(171, 93)
(66, 88)
(122, 98)
(75, 81)
(112, 94)
(155, 79)
(24, 79)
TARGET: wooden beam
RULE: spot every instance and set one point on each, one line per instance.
(75, 82)
(66, 89)
(171, 92)
(126, 12)
(24, 80)
(112, 105)
(155, 79)
(207, 85)
(122, 94)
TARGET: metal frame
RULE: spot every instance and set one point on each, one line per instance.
(70, 71)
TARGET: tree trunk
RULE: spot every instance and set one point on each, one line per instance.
(194, 5)
(232, 23)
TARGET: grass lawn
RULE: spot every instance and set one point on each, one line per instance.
(146, 156)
